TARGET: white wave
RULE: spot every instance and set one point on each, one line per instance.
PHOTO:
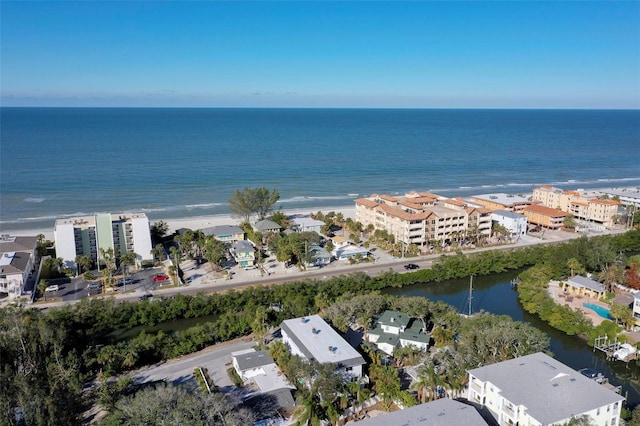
(34, 200)
(202, 206)
(300, 199)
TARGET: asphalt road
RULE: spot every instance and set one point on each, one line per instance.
(71, 293)
(216, 359)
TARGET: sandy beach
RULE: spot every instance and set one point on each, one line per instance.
(200, 222)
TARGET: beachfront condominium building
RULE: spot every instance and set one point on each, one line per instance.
(17, 263)
(502, 201)
(312, 338)
(545, 217)
(538, 390)
(421, 218)
(579, 205)
(122, 233)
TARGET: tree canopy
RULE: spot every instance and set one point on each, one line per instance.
(253, 201)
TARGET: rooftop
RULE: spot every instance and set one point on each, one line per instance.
(441, 412)
(317, 340)
(502, 198)
(553, 391)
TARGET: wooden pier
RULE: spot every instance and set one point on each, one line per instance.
(609, 348)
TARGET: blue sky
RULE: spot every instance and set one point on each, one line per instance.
(416, 54)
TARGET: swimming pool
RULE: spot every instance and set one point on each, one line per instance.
(602, 312)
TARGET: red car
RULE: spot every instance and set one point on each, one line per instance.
(160, 277)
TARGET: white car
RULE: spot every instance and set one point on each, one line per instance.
(53, 287)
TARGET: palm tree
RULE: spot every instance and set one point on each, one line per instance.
(574, 265)
(127, 260)
(427, 383)
(42, 286)
(84, 263)
(176, 254)
(611, 275)
(108, 258)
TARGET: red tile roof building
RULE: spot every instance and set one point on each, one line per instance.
(579, 205)
(419, 218)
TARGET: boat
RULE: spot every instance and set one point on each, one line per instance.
(594, 375)
(625, 352)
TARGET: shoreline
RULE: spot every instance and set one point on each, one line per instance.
(208, 220)
(199, 222)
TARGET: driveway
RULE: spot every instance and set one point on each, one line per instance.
(216, 359)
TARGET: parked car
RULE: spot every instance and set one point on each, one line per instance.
(411, 266)
(123, 281)
(110, 289)
(160, 277)
(54, 287)
(94, 286)
(146, 296)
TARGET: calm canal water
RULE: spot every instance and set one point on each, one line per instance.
(494, 294)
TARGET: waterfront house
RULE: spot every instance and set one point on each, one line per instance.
(228, 234)
(313, 339)
(395, 329)
(266, 226)
(86, 235)
(244, 253)
(17, 263)
(539, 390)
(306, 224)
(582, 286)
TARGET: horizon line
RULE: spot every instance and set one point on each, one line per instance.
(322, 108)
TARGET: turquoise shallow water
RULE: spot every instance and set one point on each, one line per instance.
(187, 162)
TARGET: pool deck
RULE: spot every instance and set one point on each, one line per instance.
(575, 302)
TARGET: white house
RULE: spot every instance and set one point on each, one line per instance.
(349, 251)
(396, 330)
(306, 224)
(17, 260)
(312, 338)
(515, 223)
(538, 390)
(261, 368)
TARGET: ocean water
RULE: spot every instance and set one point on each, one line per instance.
(169, 163)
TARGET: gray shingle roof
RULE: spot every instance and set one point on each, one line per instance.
(253, 360)
(550, 390)
(223, 230)
(266, 225)
(394, 319)
(580, 281)
(441, 412)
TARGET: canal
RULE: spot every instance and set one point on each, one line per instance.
(494, 294)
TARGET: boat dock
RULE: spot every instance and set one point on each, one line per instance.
(615, 350)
